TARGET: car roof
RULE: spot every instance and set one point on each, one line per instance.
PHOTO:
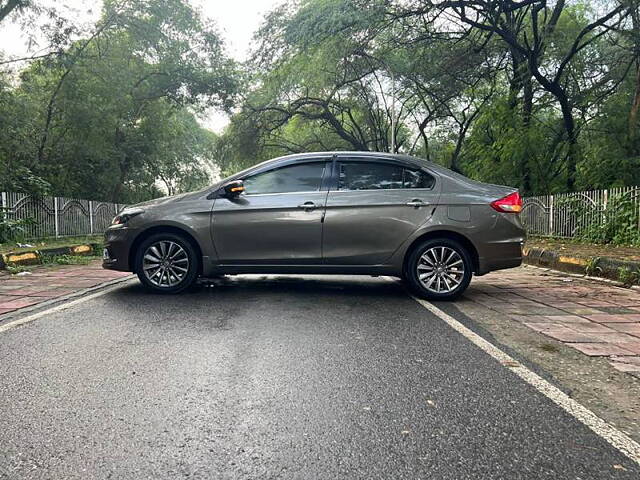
(355, 155)
(288, 159)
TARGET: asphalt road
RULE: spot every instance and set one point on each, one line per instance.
(275, 378)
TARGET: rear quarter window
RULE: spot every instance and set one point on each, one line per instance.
(381, 176)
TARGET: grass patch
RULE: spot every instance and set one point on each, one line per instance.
(549, 348)
(576, 247)
(50, 243)
(68, 259)
(14, 269)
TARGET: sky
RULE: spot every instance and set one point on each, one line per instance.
(236, 20)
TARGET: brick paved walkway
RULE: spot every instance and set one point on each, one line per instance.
(596, 318)
(46, 283)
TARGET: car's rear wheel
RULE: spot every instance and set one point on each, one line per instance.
(167, 263)
(439, 269)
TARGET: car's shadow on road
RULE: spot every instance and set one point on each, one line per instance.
(229, 288)
(222, 304)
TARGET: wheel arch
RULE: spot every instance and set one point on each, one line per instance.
(142, 236)
(449, 234)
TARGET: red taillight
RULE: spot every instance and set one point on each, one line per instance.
(512, 203)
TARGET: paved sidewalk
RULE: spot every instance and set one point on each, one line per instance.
(596, 318)
(49, 282)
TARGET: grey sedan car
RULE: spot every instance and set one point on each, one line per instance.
(325, 213)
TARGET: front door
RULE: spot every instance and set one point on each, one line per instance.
(277, 221)
(375, 206)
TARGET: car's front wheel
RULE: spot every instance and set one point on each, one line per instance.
(166, 263)
(439, 269)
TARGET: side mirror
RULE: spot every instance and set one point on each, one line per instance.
(233, 189)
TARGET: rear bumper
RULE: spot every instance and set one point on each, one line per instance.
(500, 255)
(117, 244)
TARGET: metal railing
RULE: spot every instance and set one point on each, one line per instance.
(58, 216)
(559, 215)
(565, 214)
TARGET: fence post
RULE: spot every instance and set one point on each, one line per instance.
(3, 198)
(55, 216)
(91, 217)
(551, 213)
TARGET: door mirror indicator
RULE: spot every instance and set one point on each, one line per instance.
(233, 189)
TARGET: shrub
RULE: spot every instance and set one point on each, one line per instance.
(13, 230)
(617, 225)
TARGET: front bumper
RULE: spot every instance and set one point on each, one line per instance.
(117, 245)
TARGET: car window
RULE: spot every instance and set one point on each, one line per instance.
(369, 176)
(381, 176)
(417, 179)
(294, 178)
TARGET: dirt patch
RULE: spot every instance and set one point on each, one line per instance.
(586, 250)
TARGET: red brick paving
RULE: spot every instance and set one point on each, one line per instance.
(46, 283)
(630, 328)
(596, 318)
(600, 349)
(614, 318)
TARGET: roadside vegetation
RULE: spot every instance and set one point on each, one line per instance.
(585, 249)
(53, 260)
(539, 95)
(12, 246)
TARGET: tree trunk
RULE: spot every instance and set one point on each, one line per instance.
(572, 140)
(633, 114)
(569, 124)
(522, 83)
(635, 104)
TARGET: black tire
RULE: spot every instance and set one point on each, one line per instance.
(433, 247)
(192, 268)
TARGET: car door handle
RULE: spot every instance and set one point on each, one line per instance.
(308, 206)
(416, 203)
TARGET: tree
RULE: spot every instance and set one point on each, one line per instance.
(146, 67)
(530, 40)
(8, 6)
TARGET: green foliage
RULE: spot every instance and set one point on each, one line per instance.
(113, 116)
(13, 230)
(628, 277)
(112, 113)
(68, 259)
(592, 268)
(15, 269)
(502, 149)
(617, 225)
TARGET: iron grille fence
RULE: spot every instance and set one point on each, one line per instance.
(559, 215)
(565, 214)
(58, 216)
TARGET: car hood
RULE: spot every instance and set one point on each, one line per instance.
(170, 199)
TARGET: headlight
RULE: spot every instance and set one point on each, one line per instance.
(126, 215)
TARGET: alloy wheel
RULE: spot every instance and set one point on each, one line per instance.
(440, 269)
(165, 263)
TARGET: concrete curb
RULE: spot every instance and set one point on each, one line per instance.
(603, 267)
(36, 257)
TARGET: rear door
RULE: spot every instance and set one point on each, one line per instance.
(277, 221)
(373, 206)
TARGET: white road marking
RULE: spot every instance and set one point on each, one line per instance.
(611, 434)
(59, 308)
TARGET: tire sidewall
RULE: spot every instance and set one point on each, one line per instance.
(192, 273)
(411, 273)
